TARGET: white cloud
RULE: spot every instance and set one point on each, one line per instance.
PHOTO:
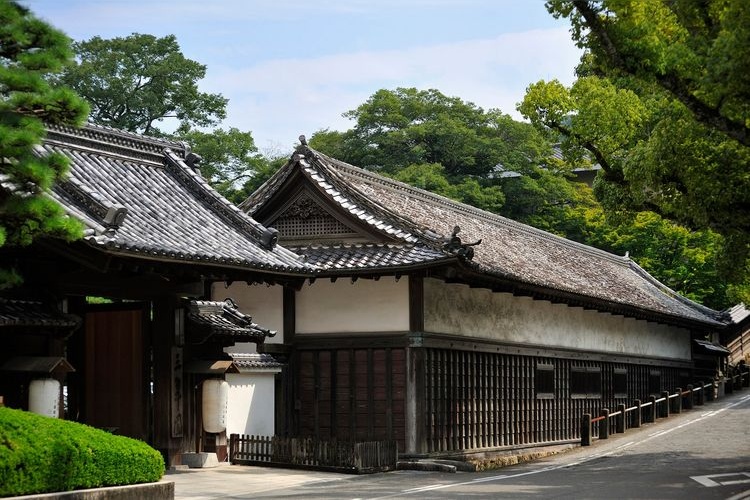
(279, 99)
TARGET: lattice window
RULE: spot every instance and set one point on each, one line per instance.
(290, 227)
(306, 217)
(620, 382)
(586, 382)
(544, 381)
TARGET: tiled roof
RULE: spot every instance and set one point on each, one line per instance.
(509, 250)
(251, 362)
(738, 313)
(140, 197)
(34, 314)
(225, 320)
(364, 256)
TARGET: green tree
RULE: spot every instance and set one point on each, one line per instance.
(136, 82)
(406, 126)
(456, 149)
(30, 50)
(698, 52)
(661, 104)
(229, 158)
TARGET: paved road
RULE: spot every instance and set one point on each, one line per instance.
(700, 454)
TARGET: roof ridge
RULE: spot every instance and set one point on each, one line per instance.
(362, 199)
(195, 182)
(113, 141)
(456, 205)
(712, 313)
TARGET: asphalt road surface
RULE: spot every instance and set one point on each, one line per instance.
(700, 454)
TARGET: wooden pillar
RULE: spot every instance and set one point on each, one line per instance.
(665, 412)
(416, 303)
(690, 398)
(169, 390)
(415, 401)
(604, 424)
(288, 412)
(416, 443)
(586, 430)
(652, 413)
(620, 422)
(678, 401)
(638, 414)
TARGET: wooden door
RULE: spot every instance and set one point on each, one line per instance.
(116, 381)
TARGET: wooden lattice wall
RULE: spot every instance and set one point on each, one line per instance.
(476, 400)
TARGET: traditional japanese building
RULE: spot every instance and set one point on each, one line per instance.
(450, 329)
(122, 307)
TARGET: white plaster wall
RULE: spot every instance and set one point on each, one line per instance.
(264, 303)
(250, 407)
(460, 310)
(362, 306)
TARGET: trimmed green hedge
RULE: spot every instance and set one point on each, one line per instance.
(40, 454)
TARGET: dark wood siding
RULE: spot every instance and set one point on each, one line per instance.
(352, 394)
(477, 400)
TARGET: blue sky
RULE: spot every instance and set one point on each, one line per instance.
(291, 67)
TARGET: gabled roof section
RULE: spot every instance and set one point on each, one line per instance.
(317, 170)
(213, 320)
(142, 197)
(510, 252)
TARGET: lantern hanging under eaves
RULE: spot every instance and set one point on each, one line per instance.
(215, 398)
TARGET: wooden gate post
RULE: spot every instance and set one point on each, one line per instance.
(620, 422)
(604, 424)
(652, 413)
(678, 403)
(638, 415)
(586, 430)
(232, 447)
(665, 395)
(689, 401)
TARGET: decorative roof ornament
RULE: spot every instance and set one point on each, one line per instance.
(455, 246)
(114, 218)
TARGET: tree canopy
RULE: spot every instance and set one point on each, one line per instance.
(136, 82)
(454, 148)
(660, 104)
(698, 52)
(30, 50)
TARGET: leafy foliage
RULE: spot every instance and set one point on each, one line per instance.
(404, 133)
(228, 157)
(140, 81)
(698, 52)
(41, 454)
(661, 105)
(29, 51)
(451, 147)
(133, 83)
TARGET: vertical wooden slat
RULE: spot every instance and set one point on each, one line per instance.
(370, 396)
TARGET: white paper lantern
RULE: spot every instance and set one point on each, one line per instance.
(215, 398)
(44, 397)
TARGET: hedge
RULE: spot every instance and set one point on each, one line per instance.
(41, 454)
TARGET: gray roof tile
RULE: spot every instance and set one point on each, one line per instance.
(509, 250)
(172, 213)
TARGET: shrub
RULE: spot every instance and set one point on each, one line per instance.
(41, 454)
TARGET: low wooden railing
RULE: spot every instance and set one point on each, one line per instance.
(655, 408)
(311, 453)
